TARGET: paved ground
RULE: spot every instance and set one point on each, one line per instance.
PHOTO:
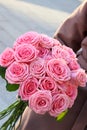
(20, 16)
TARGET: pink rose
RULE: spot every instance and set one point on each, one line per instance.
(60, 103)
(46, 41)
(70, 51)
(28, 87)
(59, 52)
(25, 53)
(73, 64)
(47, 83)
(37, 68)
(43, 52)
(71, 90)
(58, 70)
(17, 73)
(41, 101)
(7, 57)
(59, 90)
(57, 43)
(47, 58)
(28, 38)
(79, 76)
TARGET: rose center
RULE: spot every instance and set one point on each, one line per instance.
(42, 102)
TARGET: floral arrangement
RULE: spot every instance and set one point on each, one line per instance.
(45, 73)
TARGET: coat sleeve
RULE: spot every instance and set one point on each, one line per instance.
(74, 28)
(73, 33)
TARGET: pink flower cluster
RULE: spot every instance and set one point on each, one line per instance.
(47, 72)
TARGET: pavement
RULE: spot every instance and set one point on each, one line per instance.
(20, 16)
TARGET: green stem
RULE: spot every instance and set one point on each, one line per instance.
(15, 113)
(8, 110)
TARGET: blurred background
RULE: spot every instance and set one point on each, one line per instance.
(20, 16)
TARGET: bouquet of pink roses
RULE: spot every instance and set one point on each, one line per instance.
(46, 74)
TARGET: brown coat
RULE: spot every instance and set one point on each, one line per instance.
(72, 33)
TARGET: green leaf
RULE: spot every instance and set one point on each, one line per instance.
(12, 87)
(2, 71)
(61, 115)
